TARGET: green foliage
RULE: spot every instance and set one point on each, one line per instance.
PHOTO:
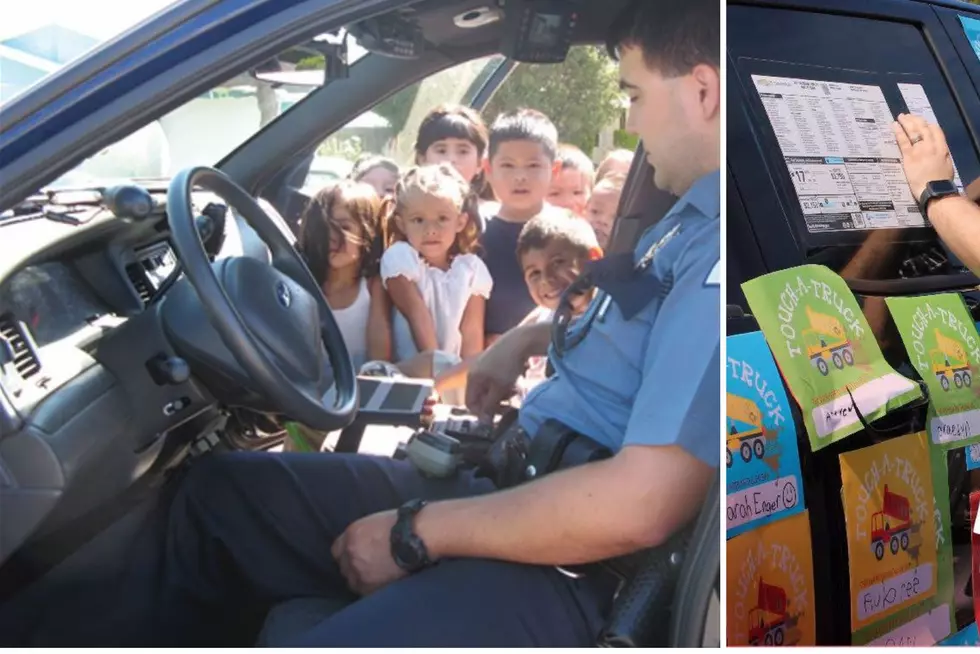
(581, 95)
(397, 107)
(623, 139)
(315, 62)
(350, 148)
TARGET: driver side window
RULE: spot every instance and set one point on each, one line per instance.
(389, 128)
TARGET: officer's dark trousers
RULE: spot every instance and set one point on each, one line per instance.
(247, 531)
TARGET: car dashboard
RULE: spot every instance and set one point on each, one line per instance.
(84, 410)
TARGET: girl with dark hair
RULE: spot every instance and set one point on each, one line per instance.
(457, 135)
(341, 239)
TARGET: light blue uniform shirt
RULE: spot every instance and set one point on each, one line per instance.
(653, 379)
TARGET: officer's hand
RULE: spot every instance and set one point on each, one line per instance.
(925, 155)
(363, 553)
(493, 375)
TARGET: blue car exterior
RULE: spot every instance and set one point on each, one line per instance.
(145, 72)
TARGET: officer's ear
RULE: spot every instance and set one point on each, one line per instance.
(707, 83)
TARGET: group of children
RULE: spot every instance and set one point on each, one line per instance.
(425, 268)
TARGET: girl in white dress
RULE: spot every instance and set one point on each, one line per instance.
(436, 283)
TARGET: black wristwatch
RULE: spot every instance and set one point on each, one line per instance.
(407, 549)
(935, 190)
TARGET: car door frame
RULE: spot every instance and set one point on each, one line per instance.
(148, 71)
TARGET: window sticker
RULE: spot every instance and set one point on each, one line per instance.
(837, 142)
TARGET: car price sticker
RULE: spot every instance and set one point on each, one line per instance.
(918, 103)
(837, 144)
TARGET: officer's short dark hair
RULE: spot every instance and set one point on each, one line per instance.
(551, 226)
(524, 125)
(674, 36)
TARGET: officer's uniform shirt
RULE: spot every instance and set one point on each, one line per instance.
(651, 377)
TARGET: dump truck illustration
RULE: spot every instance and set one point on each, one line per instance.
(891, 525)
(825, 339)
(747, 441)
(949, 361)
(767, 620)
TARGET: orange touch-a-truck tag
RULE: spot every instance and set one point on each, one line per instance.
(770, 585)
(891, 531)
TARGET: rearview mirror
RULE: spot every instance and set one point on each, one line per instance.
(309, 65)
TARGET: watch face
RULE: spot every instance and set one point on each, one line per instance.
(408, 555)
(942, 187)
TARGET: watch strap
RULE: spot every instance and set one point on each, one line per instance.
(407, 549)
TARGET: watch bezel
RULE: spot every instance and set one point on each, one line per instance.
(936, 189)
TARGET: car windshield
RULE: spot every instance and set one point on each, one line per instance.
(35, 43)
(39, 37)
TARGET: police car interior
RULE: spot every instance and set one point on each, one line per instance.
(786, 52)
(131, 344)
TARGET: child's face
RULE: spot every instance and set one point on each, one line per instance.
(520, 173)
(345, 238)
(431, 222)
(601, 212)
(460, 153)
(614, 165)
(382, 179)
(570, 189)
(548, 271)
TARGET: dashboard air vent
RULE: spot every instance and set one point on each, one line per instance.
(138, 278)
(25, 359)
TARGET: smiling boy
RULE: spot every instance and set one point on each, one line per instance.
(553, 251)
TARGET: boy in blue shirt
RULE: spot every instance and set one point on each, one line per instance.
(520, 166)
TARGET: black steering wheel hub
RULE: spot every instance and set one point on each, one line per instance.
(263, 324)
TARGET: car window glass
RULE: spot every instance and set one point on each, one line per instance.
(389, 128)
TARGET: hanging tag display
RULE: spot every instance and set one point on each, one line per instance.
(944, 346)
(826, 351)
(924, 623)
(763, 463)
(770, 585)
(889, 510)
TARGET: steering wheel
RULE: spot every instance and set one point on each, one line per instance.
(271, 318)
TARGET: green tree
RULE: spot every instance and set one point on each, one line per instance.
(396, 108)
(581, 95)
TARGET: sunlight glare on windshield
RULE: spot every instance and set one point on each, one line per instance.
(39, 37)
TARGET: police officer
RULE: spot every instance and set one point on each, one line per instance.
(455, 562)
